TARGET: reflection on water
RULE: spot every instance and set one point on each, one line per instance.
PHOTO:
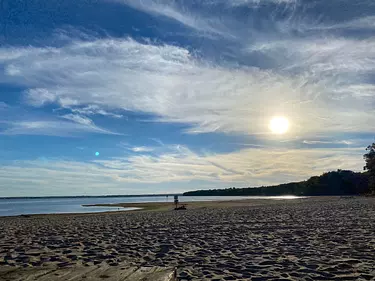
(13, 207)
(283, 197)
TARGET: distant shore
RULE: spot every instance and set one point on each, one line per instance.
(320, 238)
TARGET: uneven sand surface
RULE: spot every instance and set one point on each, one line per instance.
(80, 272)
(304, 239)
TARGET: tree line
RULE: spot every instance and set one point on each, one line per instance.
(340, 182)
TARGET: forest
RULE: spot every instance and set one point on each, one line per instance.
(340, 182)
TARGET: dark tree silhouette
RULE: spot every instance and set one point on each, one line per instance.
(340, 182)
(370, 166)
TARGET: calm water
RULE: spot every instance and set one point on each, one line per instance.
(14, 207)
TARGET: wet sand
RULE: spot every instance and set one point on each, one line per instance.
(303, 239)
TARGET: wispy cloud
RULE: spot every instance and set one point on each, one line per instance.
(242, 62)
(314, 75)
(142, 149)
(327, 142)
(171, 83)
(364, 23)
(158, 141)
(205, 19)
(132, 148)
(51, 128)
(79, 119)
(17, 121)
(182, 165)
(95, 110)
(177, 12)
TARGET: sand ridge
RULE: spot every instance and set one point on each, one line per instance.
(314, 239)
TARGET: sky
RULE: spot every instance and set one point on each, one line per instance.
(152, 96)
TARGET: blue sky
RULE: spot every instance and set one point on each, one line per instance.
(178, 95)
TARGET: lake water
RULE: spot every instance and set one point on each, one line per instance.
(14, 207)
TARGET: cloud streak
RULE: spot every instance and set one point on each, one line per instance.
(169, 82)
(327, 142)
(17, 121)
(181, 165)
(179, 13)
(52, 128)
(142, 149)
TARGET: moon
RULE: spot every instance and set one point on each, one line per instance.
(279, 125)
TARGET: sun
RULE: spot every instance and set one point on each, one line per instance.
(279, 125)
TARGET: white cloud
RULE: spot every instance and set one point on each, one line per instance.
(95, 110)
(52, 128)
(142, 149)
(309, 71)
(171, 83)
(313, 76)
(327, 142)
(38, 97)
(79, 119)
(179, 13)
(248, 167)
(158, 141)
(258, 2)
(129, 147)
(18, 121)
(365, 23)
(204, 20)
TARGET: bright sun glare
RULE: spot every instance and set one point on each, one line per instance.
(279, 125)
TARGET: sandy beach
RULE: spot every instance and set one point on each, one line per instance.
(304, 239)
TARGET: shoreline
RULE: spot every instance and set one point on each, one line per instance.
(143, 207)
(159, 206)
(169, 206)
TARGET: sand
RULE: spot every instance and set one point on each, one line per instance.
(307, 239)
(80, 272)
